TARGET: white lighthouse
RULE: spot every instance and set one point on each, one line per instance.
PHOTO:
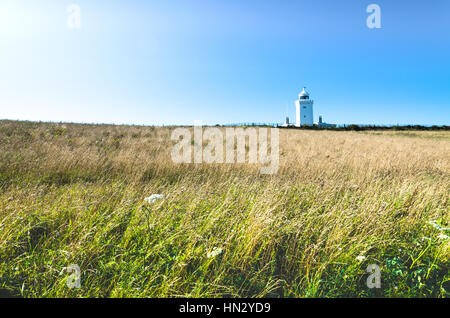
(304, 107)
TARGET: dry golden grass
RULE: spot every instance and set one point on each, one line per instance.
(73, 194)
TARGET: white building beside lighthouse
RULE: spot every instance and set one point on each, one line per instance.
(304, 107)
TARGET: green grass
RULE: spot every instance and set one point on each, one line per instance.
(65, 199)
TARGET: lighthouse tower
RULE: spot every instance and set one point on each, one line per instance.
(304, 107)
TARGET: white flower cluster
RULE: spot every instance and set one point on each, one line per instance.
(153, 198)
(437, 226)
(441, 229)
(216, 251)
(443, 236)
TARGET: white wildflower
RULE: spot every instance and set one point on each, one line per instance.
(216, 251)
(153, 198)
(360, 258)
(437, 226)
(443, 236)
(434, 224)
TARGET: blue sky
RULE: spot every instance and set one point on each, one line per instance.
(175, 62)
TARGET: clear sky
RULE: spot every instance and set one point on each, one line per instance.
(224, 61)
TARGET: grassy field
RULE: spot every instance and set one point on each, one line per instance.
(74, 194)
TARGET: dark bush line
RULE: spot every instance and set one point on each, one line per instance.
(374, 127)
(350, 127)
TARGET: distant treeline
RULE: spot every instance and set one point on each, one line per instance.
(372, 127)
(353, 127)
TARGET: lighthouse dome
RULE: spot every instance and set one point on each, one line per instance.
(303, 94)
